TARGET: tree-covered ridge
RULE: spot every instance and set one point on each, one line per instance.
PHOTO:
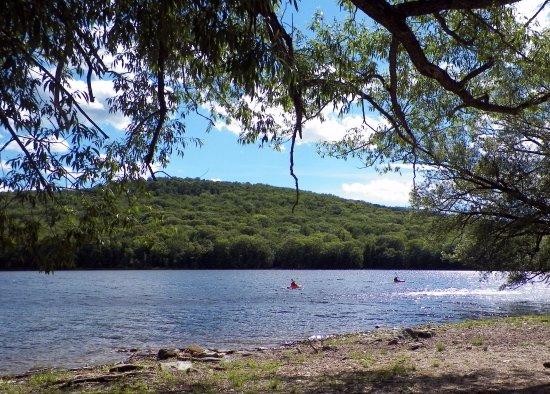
(188, 223)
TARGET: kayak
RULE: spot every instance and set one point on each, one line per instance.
(293, 287)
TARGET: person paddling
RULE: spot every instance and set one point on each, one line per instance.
(293, 285)
(397, 280)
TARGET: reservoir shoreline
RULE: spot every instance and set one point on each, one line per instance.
(511, 353)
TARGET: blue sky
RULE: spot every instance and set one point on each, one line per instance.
(222, 158)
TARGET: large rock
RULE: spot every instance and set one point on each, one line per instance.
(195, 350)
(176, 366)
(416, 346)
(413, 333)
(164, 354)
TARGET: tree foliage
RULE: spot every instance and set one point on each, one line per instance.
(461, 88)
(186, 223)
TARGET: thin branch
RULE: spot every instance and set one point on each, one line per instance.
(283, 47)
(395, 23)
(47, 186)
(477, 71)
(443, 23)
(536, 13)
(75, 103)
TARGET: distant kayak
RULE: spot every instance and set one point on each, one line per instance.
(293, 285)
(397, 280)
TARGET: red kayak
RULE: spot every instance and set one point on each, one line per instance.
(293, 287)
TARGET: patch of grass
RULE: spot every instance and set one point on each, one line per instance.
(439, 347)
(293, 357)
(166, 376)
(166, 379)
(239, 377)
(399, 367)
(10, 387)
(435, 364)
(47, 378)
(364, 358)
(514, 320)
(477, 341)
(341, 340)
(242, 372)
(274, 384)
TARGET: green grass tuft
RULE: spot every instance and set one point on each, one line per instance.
(477, 341)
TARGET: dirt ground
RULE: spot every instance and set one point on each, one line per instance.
(500, 355)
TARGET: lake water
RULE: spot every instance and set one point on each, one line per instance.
(74, 318)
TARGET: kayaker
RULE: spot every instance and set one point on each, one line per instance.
(397, 280)
(293, 285)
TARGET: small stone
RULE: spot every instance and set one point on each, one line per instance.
(164, 354)
(416, 346)
(546, 364)
(377, 326)
(209, 359)
(328, 348)
(205, 355)
(176, 366)
(125, 368)
(393, 341)
(484, 348)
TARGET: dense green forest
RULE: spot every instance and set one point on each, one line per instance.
(187, 223)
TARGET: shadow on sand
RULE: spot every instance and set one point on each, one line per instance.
(481, 381)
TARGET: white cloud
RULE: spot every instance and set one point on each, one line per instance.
(99, 109)
(382, 191)
(332, 128)
(527, 8)
(410, 167)
(231, 126)
(57, 145)
(216, 180)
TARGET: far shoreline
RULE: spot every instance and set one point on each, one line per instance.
(251, 269)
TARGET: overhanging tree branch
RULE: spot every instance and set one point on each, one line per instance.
(395, 23)
(5, 122)
(425, 7)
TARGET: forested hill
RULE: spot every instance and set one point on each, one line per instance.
(188, 223)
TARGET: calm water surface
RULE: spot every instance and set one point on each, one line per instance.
(80, 317)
